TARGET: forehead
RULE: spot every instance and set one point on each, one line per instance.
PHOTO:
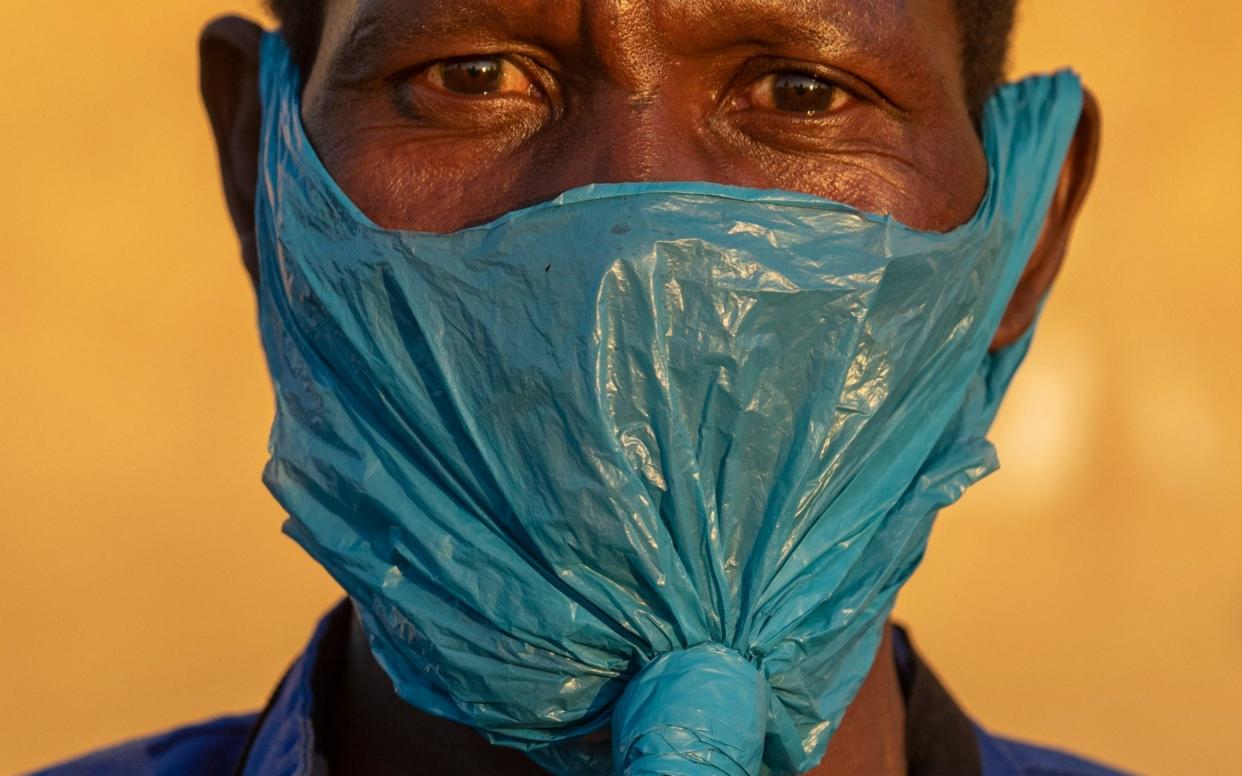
(568, 16)
(918, 38)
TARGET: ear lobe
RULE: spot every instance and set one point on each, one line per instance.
(229, 79)
(1077, 173)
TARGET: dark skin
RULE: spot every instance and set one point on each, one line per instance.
(433, 115)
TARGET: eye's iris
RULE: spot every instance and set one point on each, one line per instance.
(799, 93)
(478, 76)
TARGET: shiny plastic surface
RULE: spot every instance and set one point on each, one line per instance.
(545, 453)
(656, 731)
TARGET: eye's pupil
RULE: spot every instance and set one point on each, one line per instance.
(472, 76)
(799, 93)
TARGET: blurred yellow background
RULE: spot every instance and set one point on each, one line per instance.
(1089, 595)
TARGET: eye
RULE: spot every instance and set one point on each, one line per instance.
(793, 92)
(479, 76)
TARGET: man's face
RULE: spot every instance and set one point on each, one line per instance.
(433, 115)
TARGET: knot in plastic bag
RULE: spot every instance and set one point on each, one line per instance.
(695, 712)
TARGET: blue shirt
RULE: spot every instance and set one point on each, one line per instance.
(940, 739)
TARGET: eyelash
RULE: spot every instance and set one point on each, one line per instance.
(754, 72)
(531, 69)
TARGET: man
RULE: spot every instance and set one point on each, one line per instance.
(435, 116)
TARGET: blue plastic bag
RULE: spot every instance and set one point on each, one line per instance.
(659, 455)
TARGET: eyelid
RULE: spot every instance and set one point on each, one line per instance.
(836, 95)
(754, 71)
(432, 106)
(435, 73)
(529, 66)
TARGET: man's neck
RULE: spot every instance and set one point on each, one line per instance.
(872, 738)
(371, 730)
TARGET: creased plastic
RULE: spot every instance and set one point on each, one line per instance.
(658, 456)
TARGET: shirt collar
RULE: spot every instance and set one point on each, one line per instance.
(940, 738)
(282, 741)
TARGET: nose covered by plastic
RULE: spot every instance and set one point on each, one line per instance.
(654, 455)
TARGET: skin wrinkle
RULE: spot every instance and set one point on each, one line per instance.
(863, 38)
(652, 102)
(374, 27)
(620, 39)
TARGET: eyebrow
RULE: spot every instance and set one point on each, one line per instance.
(825, 23)
(857, 34)
(386, 25)
(864, 36)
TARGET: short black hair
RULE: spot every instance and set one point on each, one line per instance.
(986, 27)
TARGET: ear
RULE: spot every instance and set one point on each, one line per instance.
(229, 78)
(1076, 176)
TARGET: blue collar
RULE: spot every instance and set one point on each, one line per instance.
(940, 739)
(282, 741)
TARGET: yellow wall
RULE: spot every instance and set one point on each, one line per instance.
(1090, 594)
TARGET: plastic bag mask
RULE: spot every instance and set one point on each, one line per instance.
(652, 455)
